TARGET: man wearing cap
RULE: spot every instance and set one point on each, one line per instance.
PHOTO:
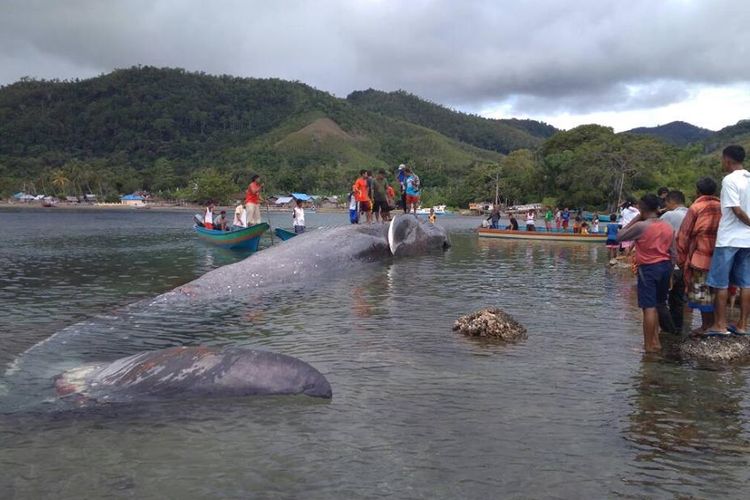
(402, 182)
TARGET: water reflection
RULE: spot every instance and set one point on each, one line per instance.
(687, 427)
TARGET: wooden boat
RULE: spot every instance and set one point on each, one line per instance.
(541, 235)
(284, 234)
(246, 238)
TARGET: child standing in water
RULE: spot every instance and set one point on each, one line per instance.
(612, 229)
(432, 217)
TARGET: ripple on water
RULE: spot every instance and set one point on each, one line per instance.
(418, 411)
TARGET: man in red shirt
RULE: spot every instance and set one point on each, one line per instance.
(654, 254)
(361, 191)
(252, 201)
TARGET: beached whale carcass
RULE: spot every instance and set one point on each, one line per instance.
(192, 372)
(315, 253)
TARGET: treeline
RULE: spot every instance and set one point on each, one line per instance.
(194, 136)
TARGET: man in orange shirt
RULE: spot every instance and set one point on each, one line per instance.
(362, 195)
(252, 201)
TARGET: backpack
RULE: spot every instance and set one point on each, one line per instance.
(416, 183)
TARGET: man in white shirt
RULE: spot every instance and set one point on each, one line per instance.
(730, 264)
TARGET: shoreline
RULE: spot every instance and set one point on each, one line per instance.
(160, 207)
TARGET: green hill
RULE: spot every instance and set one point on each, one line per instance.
(502, 136)
(157, 128)
(677, 133)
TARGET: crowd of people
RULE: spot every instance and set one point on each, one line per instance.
(374, 197)
(697, 256)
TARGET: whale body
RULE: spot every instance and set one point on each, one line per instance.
(316, 253)
(191, 372)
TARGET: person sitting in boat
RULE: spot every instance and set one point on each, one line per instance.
(584, 227)
(240, 216)
(298, 217)
(530, 224)
(208, 217)
(595, 223)
(513, 226)
(220, 222)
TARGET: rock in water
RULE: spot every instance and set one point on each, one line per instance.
(729, 349)
(490, 323)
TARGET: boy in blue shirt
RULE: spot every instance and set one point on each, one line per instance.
(612, 229)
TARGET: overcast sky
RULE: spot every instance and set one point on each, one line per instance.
(622, 63)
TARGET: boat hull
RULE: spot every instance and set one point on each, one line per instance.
(240, 239)
(541, 236)
(284, 234)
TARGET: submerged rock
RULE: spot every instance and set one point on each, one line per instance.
(490, 323)
(729, 349)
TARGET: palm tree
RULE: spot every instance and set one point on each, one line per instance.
(60, 180)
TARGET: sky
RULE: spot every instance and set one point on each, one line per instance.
(621, 63)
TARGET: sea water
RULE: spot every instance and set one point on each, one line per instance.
(575, 411)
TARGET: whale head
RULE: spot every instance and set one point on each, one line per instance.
(407, 235)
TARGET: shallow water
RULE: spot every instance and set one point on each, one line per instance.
(419, 412)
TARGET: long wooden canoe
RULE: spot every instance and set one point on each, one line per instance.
(541, 235)
(241, 239)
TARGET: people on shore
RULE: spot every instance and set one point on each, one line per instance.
(730, 263)
(629, 212)
(662, 193)
(612, 245)
(361, 191)
(548, 216)
(695, 247)
(380, 206)
(654, 242)
(530, 224)
(298, 217)
(412, 191)
(674, 214)
(252, 200)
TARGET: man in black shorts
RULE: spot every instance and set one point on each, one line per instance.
(380, 197)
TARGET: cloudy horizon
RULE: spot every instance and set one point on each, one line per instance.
(619, 64)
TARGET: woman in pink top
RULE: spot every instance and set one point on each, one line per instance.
(654, 254)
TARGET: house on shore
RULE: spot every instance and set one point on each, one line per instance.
(133, 200)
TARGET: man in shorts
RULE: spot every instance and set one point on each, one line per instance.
(380, 197)
(654, 244)
(730, 264)
(412, 191)
(361, 191)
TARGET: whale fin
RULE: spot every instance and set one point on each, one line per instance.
(391, 237)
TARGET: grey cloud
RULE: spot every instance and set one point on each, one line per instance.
(540, 56)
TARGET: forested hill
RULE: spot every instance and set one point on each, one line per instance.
(194, 136)
(502, 136)
(677, 133)
(155, 128)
